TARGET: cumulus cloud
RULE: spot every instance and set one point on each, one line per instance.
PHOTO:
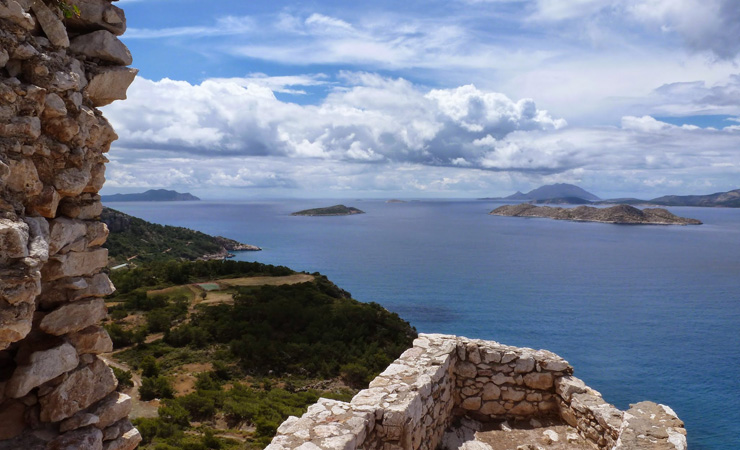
(372, 119)
(386, 134)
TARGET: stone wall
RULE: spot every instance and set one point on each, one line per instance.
(415, 400)
(55, 391)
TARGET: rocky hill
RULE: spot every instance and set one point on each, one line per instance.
(134, 238)
(152, 195)
(730, 199)
(336, 210)
(555, 191)
(620, 214)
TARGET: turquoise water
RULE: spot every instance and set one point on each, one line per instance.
(641, 312)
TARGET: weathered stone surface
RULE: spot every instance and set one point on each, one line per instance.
(75, 264)
(649, 426)
(64, 231)
(51, 24)
(79, 420)
(97, 15)
(94, 340)
(110, 85)
(12, 422)
(41, 367)
(128, 441)
(74, 317)
(472, 403)
(103, 45)
(491, 392)
(54, 107)
(23, 176)
(47, 202)
(111, 409)
(71, 182)
(38, 238)
(15, 13)
(89, 438)
(80, 389)
(539, 380)
(13, 238)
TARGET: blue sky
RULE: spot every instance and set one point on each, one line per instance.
(456, 98)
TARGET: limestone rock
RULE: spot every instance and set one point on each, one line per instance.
(23, 178)
(41, 367)
(54, 107)
(97, 15)
(71, 182)
(75, 264)
(110, 85)
(80, 389)
(38, 234)
(74, 317)
(111, 409)
(51, 24)
(89, 438)
(47, 202)
(22, 127)
(103, 45)
(94, 340)
(15, 13)
(79, 420)
(538, 380)
(128, 441)
(64, 231)
(13, 238)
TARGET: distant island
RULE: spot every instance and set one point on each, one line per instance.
(620, 214)
(152, 195)
(394, 200)
(336, 210)
(569, 194)
(134, 239)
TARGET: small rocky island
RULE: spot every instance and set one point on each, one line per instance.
(619, 214)
(336, 210)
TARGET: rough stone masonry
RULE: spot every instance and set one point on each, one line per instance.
(55, 392)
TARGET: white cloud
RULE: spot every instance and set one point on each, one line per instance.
(387, 135)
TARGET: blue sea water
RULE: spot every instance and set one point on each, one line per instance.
(641, 312)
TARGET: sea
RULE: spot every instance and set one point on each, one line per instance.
(641, 312)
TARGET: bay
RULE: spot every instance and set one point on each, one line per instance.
(641, 312)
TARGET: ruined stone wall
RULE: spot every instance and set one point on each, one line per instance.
(415, 400)
(55, 391)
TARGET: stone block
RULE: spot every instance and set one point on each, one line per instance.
(111, 409)
(539, 380)
(89, 438)
(92, 340)
(103, 45)
(75, 264)
(74, 317)
(51, 24)
(41, 367)
(110, 85)
(80, 389)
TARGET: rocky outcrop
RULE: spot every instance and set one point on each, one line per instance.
(443, 378)
(620, 214)
(336, 210)
(55, 393)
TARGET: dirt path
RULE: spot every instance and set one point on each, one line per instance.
(139, 408)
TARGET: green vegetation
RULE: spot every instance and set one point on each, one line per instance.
(264, 349)
(133, 237)
(336, 210)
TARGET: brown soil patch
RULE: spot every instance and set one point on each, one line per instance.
(184, 378)
(541, 437)
(269, 281)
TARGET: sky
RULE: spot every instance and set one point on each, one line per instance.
(429, 99)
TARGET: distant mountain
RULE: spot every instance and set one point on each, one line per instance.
(152, 195)
(730, 199)
(555, 191)
(132, 238)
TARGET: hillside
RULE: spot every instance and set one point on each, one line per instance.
(133, 238)
(336, 210)
(620, 214)
(216, 354)
(730, 199)
(152, 195)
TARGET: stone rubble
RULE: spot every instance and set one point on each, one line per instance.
(441, 379)
(55, 393)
